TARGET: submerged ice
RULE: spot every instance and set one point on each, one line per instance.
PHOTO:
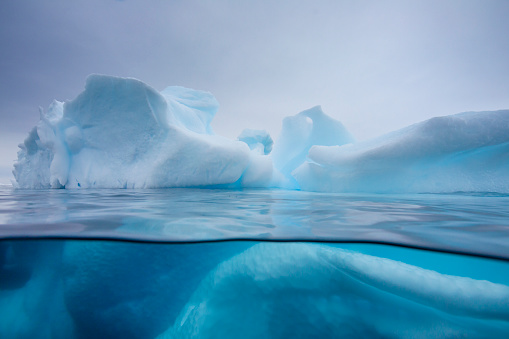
(83, 289)
(121, 133)
(304, 290)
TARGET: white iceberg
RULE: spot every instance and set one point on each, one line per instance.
(121, 133)
(462, 152)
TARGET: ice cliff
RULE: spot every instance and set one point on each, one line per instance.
(121, 133)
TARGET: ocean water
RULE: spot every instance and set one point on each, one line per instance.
(212, 263)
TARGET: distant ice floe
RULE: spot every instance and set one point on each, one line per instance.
(121, 133)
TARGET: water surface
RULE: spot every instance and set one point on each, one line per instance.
(212, 263)
(464, 223)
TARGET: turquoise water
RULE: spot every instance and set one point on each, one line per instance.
(182, 263)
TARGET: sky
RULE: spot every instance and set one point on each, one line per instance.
(374, 65)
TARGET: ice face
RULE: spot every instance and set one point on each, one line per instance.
(301, 132)
(121, 133)
(257, 140)
(193, 109)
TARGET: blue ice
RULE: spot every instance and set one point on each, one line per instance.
(77, 289)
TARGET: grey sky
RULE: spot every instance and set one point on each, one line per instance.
(374, 65)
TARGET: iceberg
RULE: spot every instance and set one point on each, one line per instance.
(121, 133)
(109, 289)
(462, 152)
(301, 132)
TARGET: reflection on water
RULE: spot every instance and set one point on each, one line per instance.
(466, 223)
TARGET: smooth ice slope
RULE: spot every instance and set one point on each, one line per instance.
(462, 152)
(122, 133)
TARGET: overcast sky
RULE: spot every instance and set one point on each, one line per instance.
(374, 65)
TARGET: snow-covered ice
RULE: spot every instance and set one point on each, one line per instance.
(462, 152)
(121, 133)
